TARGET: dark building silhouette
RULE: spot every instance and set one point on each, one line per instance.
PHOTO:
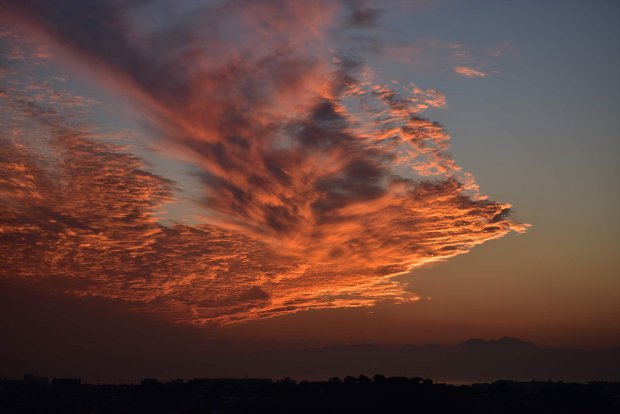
(66, 382)
(350, 394)
(34, 380)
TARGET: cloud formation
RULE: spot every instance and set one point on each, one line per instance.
(469, 72)
(320, 184)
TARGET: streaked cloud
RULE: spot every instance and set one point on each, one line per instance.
(320, 183)
(469, 72)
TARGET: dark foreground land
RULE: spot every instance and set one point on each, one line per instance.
(348, 395)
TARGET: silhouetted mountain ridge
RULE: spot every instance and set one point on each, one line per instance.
(472, 360)
(506, 341)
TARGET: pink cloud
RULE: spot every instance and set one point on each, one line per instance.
(469, 72)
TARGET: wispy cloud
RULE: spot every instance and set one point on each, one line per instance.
(469, 72)
(319, 183)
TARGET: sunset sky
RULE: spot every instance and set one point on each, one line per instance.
(306, 173)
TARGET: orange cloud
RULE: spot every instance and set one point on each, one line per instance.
(320, 185)
(469, 72)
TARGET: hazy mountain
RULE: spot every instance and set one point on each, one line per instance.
(472, 360)
(57, 336)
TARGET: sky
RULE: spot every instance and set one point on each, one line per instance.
(275, 174)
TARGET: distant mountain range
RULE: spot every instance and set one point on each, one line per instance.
(57, 336)
(470, 361)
